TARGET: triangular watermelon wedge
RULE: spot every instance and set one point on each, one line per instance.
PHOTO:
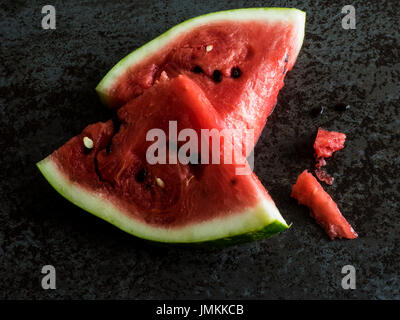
(239, 58)
(176, 203)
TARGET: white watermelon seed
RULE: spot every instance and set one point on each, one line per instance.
(88, 142)
(209, 47)
(160, 183)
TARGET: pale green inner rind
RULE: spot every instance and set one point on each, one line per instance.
(262, 220)
(290, 16)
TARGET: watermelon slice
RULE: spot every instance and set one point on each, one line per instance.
(324, 210)
(105, 170)
(239, 58)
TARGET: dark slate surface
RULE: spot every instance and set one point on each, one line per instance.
(47, 96)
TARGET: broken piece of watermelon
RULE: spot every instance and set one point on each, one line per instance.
(328, 142)
(322, 175)
(239, 58)
(324, 210)
(112, 178)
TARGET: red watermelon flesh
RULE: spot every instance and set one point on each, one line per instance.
(116, 168)
(240, 66)
(324, 210)
(328, 142)
(322, 175)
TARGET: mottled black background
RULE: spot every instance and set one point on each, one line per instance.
(47, 81)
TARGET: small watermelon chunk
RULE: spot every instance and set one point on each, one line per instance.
(322, 175)
(327, 142)
(324, 210)
(320, 162)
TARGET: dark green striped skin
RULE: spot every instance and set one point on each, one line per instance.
(266, 232)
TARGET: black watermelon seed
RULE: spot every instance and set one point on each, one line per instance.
(342, 107)
(141, 175)
(217, 76)
(317, 111)
(197, 69)
(235, 72)
(287, 58)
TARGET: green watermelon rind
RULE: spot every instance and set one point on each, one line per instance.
(290, 15)
(262, 221)
(266, 232)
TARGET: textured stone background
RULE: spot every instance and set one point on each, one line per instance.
(47, 81)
